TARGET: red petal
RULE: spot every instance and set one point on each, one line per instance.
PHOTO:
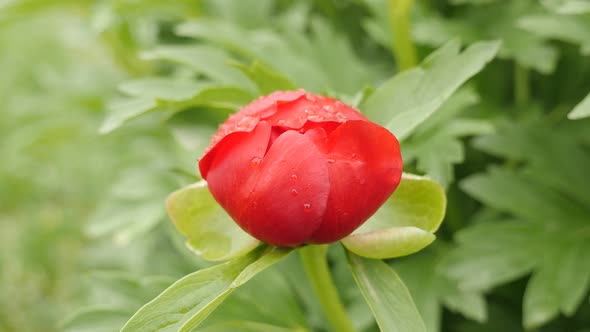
(319, 138)
(288, 200)
(314, 109)
(260, 107)
(279, 197)
(227, 168)
(365, 167)
(247, 118)
(288, 110)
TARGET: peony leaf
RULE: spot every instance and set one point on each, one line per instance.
(185, 304)
(266, 79)
(403, 225)
(386, 294)
(409, 98)
(96, 320)
(307, 59)
(582, 110)
(148, 95)
(124, 110)
(206, 60)
(211, 232)
(568, 28)
(162, 88)
(567, 7)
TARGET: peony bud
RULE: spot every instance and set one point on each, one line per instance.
(294, 168)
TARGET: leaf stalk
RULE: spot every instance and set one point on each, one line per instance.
(402, 44)
(316, 267)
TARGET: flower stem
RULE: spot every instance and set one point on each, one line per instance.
(402, 45)
(521, 85)
(316, 268)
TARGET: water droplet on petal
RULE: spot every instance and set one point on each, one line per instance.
(316, 118)
(294, 192)
(246, 122)
(328, 108)
(294, 177)
(331, 161)
(255, 162)
(306, 207)
(341, 117)
(281, 122)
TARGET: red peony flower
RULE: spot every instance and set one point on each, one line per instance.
(294, 168)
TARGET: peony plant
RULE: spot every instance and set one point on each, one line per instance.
(297, 171)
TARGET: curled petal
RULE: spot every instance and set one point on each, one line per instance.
(365, 167)
(290, 192)
(248, 117)
(228, 167)
(312, 109)
(278, 196)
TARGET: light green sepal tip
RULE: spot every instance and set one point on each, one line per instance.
(211, 232)
(389, 242)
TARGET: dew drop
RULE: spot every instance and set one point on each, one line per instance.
(341, 117)
(306, 207)
(294, 192)
(246, 122)
(255, 162)
(331, 161)
(281, 122)
(294, 177)
(316, 118)
(328, 108)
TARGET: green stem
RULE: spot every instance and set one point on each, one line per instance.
(521, 85)
(402, 45)
(316, 266)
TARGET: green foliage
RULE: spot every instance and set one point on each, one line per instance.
(545, 231)
(581, 110)
(432, 290)
(84, 238)
(186, 303)
(567, 6)
(267, 302)
(386, 294)
(437, 145)
(406, 100)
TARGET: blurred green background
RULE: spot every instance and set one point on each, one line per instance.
(86, 166)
